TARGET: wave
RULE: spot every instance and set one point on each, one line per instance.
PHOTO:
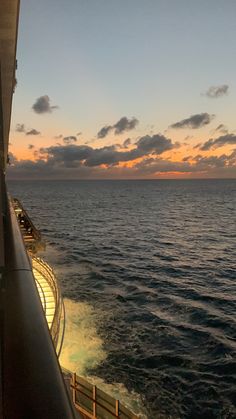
(83, 350)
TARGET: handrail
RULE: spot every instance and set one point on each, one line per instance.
(33, 383)
(47, 272)
(94, 402)
(2, 251)
(63, 330)
(35, 232)
(98, 400)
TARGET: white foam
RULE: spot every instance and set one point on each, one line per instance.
(83, 349)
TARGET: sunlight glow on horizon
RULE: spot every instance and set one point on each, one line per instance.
(108, 63)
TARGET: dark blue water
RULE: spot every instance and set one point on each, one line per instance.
(158, 258)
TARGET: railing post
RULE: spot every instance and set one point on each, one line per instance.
(117, 408)
(74, 387)
(94, 401)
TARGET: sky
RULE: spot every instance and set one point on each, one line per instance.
(124, 89)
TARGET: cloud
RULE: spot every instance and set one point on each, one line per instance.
(68, 162)
(214, 162)
(58, 137)
(42, 105)
(70, 139)
(154, 144)
(213, 165)
(33, 132)
(109, 156)
(126, 143)
(219, 142)
(124, 124)
(222, 128)
(143, 159)
(78, 134)
(194, 121)
(67, 155)
(12, 159)
(104, 131)
(72, 155)
(197, 146)
(20, 127)
(215, 92)
(159, 165)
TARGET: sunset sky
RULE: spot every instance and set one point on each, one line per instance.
(125, 89)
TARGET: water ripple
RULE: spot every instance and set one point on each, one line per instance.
(158, 258)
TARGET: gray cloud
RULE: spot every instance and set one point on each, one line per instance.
(31, 168)
(33, 132)
(70, 139)
(72, 161)
(68, 155)
(107, 155)
(219, 142)
(222, 128)
(197, 146)
(58, 137)
(72, 155)
(20, 127)
(159, 165)
(126, 143)
(104, 131)
(124, 124)
(154, 144)
(30, 146)
(75, 156)
(194, 121)
(213, 166)
(65, 162)
(215, 162)
(12, 158)
(42, 105)
(215, 92)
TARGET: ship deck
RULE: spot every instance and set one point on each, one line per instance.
(45, 291)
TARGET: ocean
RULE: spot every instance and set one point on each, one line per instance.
(148, 272)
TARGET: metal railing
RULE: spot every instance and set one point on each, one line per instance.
(94, 403)
(43, 299)
(58, 322)
(32, 383)
(19, 209)
(57, 327)
(62, 330)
